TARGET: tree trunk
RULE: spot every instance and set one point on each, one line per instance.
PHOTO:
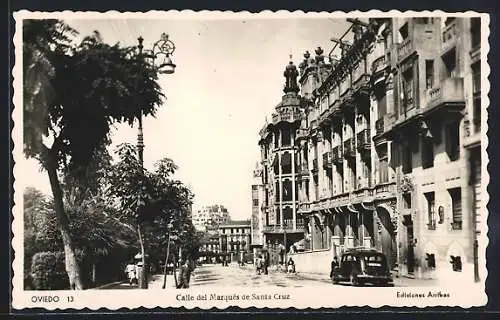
(166, 264)
(72, 267)
(143, 281)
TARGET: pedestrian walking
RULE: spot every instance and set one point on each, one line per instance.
(131, 272)
(266, 262)
(185, 274)
(291, 266)
(258, 265)
(335, 264)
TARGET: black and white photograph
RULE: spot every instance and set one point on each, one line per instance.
(273, 159)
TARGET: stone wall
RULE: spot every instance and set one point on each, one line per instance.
(314, 262)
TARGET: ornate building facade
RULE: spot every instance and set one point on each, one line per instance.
(282, 225)
(387, 150)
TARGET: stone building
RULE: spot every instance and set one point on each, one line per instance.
(235, 239)
(282, 226)
(210, 217)
(387, 153)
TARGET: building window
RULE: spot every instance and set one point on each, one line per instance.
(403, 31)
(254, 187)
(276, 140)
(450, 62)
(408, 89)
(431, 210)
(255, 202)
(286, 163)
(286, 138)
(427, 153)
(407, 159)
(287, 190)
(456, 208)
(475, 31)
(453, 141)
(429, 74)
(277, 191)
(407, 200)
(383, 165)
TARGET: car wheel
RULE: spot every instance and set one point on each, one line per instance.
(335, 280)
(354, 280)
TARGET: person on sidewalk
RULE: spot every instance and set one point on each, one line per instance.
(335, 264)
(266, 261)
(185, 274)
(291, 266)
(131, 272)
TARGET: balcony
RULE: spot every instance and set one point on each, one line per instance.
(380, 63)
(363, 140)
(449, 36)
(337, 157)
(349, 148)
(286, 116)
(327, 160)
(363, 194)
(379, 126)
(315, 166)
(385, 190)
(450, 92)
(405, 49)
(362, 86)
(304, 207)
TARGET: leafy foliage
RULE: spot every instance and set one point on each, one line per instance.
(48, 271)
(77, 92)
(152, 199)
(73, 94)
(96, 233)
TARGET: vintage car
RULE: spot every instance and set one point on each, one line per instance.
(360, 266)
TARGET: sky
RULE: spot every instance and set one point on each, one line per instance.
(229, 77)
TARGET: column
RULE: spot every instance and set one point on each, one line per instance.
(294, 200)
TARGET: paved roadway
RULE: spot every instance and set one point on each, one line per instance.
(234, 275)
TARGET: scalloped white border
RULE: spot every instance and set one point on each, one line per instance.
(301, 297)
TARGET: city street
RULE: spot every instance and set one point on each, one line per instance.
(237, 276)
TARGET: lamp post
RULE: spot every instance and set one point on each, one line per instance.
(159, 58)
(161, 52)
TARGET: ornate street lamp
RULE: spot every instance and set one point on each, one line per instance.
(160, 58)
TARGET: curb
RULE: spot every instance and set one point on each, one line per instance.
(108, 285)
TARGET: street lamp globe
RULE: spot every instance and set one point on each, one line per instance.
(166, 67)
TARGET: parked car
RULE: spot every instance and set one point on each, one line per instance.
(360, 266)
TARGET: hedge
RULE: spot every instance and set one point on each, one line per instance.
(48, 271)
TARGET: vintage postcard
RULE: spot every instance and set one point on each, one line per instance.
(274, 159)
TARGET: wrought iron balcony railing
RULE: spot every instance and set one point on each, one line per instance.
(337, 157)
(349, 148)
(363, 140)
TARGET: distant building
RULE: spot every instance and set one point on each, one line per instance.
(210, 217)
(235, 239)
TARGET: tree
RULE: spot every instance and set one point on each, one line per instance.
(149, 200)
(95, 233)
(72, 95)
